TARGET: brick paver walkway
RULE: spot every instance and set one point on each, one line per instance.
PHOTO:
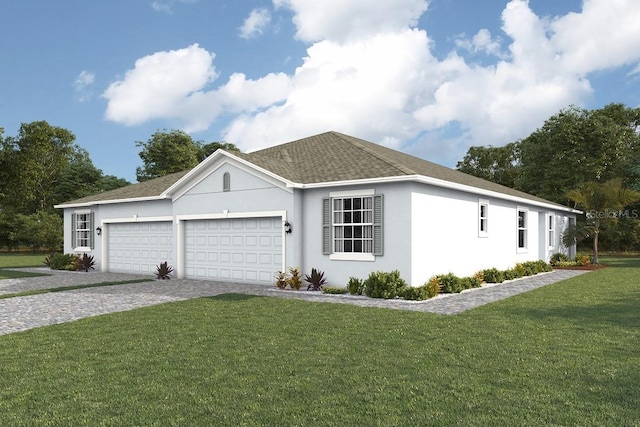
(23, 313)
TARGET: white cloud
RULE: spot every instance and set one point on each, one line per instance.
(172, 85)
(341, 20)
(375, 76)
(82, 85)
(255, 23)
(482, 42)
(166, 6)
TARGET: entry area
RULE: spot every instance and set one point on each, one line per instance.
(244, 250)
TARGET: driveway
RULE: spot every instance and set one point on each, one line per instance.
(28, 312)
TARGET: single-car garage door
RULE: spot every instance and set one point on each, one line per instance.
(139, 247)
(247, 250)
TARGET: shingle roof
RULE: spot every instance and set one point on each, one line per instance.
(333, 156)
(324, 158)
(152, 188)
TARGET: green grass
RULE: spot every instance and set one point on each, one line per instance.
(11, 260)
(565, 354)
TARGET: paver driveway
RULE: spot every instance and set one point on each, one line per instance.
(28, 312)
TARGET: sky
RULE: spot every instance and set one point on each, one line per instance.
(427, 77)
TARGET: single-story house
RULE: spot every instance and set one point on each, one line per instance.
(331, 201)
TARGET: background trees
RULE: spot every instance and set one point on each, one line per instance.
(172, 151)
(573, 147)
(40, 167)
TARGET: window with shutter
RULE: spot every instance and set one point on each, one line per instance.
(352, 225)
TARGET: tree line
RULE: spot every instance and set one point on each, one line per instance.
(43, 166)
(577, 157)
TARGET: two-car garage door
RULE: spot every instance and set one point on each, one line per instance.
(247, 250)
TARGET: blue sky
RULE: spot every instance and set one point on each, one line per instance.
(430, 78)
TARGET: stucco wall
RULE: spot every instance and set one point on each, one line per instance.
(446, 236)
(396, 231)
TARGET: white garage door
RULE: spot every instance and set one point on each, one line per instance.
(247, 250)
(139, 247)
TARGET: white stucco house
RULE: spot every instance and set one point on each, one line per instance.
(330, 201)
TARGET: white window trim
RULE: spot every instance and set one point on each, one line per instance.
(551, 231)
(75, 230)
(349, 256)
(524, 249)
(481, 233)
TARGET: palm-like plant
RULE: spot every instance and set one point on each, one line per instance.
(601, 202)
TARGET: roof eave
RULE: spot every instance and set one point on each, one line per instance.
(443, 184)
(108, 202)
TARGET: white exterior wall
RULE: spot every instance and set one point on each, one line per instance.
(446, 236)
(120, 212)
(396, 232)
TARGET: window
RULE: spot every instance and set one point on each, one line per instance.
(82, 230)
(226, 182)
(522, 229)
(352, 225)
(483, 218)
(551, 230)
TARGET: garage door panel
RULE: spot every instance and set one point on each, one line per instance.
(240, 249)
(139, 247)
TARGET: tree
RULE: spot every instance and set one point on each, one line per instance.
(578, 145)
(32, 162)
(602, 202)
(498, 164)
(210, 148)
(165, 153)
(172, 151)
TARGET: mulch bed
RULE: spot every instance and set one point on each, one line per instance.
(583, 267)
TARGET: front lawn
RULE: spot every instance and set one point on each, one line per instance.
(565, 354)
(12, 260)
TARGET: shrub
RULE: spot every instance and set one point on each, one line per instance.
(470, 282)
(519, 270)
(433, 286)
(493, 275)
(84, 263)
(584, 260)
(334, 290)
(164, 271)
(450, 283)
(385, 285)
(510, 274)
(62, 262)
(479, 276)
(295, 279)
(558, 257)
(316, 280)
(355, 286)
(416, 293)
(282, 279)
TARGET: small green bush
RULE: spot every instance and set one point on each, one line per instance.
(62, 262)
(510, 274)
(470, 282)
(450, 283)
(385, 285)
(493, 275)
(334, 290)
(558, 257)
(355, 286)
(416, 293)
